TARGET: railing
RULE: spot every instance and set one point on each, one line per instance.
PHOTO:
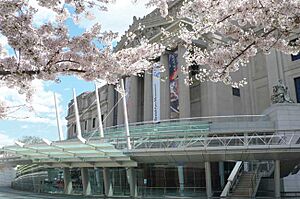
(188, 138)
(258, 169)
(229, 118)
(232, 179)
(263, 169)
(119, 129)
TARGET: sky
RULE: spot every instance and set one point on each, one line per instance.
(41, 121)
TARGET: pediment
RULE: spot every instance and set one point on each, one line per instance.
(151, 26)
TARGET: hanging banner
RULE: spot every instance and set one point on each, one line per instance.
(174, 91)
(156, 91)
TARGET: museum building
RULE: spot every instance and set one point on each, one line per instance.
(166, 115)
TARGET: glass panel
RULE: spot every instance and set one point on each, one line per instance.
(96, 180)
(119, 182)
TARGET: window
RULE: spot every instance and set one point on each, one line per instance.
(293, 43)
(94, 122)
(236, 92)
(295, 57)
(74, 129)
(194, 69)
(85, 124)
(297, 86)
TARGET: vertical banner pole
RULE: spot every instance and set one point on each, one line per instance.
(99, 112)
(79, 135)
(60, 132)
(125, 115)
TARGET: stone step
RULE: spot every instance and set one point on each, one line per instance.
(244, 186)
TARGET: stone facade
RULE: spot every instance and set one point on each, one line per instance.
(198, 100)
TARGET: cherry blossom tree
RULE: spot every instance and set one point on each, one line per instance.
(234, 31)
(47, 51)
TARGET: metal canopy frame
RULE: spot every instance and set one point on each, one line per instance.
(73, 153)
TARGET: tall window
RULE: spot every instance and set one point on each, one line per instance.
(236, 92)
(85, 124)
(297, 86)
(94, 122)
(74, 129)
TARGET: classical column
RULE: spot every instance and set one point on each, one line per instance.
(108, 190)
(148, 97)
(184, 89)
(110, 105)
(68, 188)
(120, 114)
(208, 179)
(86, 184)
(277, 178)
(272, 66)
(131, 177)
(131, 87)
(165, 89)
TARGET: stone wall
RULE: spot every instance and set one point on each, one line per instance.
(7, 175)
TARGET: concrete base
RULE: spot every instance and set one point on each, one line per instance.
(86, 184)
(285, 115)
(131, 177)
(108, 190)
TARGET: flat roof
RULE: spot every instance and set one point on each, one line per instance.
(74, 153)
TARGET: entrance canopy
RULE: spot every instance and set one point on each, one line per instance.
(71, 153)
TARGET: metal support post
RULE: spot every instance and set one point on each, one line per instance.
(246, 164)
(131, 176)
(208, 179)
(68, 187)
(277, 178)
(60, 132)
(108, 190)
(181, 180)
(99, 113)
(221, 174)
(125, 115)
(86, 184)
(78, 126)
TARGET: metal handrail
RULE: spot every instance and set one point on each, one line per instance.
(232, 179)
(204, 119)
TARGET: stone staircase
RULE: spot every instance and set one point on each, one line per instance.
(245, 187)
